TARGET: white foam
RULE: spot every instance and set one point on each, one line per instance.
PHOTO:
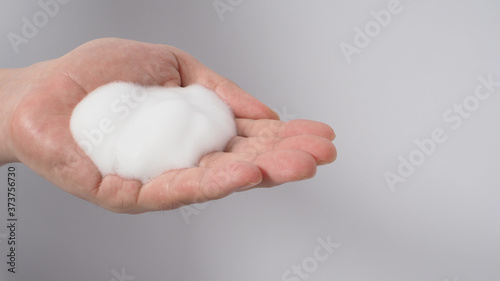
(140, 132)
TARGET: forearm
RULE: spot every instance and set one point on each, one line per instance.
(7, 106)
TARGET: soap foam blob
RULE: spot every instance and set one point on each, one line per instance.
(140, 132)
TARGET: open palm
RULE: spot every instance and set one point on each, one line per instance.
(266, 152)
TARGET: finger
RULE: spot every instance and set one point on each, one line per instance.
(277, 167)
(196, 185)
(242, 103)
(284, 166)
(272, 128)
(320, 148)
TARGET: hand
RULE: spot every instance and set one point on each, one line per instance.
(39, 101)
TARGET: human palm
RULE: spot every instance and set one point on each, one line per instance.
(266, 152)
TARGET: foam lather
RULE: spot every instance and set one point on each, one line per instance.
(140, 132)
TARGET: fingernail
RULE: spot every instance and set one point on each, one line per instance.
(246, 186)
(276, 115)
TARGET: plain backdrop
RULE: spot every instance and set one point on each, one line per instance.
(441, 223)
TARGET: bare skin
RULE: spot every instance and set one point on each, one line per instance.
(36, 107)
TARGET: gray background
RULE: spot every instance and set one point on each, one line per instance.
(442, 223)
